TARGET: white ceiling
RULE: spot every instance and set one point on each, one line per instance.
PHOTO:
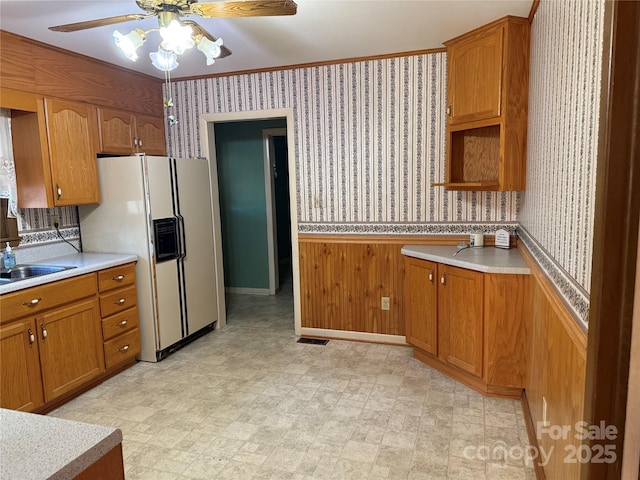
(321, 30)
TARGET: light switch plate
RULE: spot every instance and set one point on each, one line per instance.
(502, 239)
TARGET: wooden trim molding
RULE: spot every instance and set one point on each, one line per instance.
(615, 233)
(393, 239)
(531, 434)
(534, 9)
(316, 64)
(354, 336)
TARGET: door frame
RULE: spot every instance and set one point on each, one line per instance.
(615, 242)
(270, 194)
(207, 123)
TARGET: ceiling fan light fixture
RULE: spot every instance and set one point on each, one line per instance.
(177, 37)
(164, 60)
(210, 49)
(130, 42)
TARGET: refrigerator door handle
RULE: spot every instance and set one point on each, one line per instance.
(183, 239)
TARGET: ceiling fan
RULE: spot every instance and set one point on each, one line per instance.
(169, 13)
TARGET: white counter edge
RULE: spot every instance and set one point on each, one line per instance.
(83, 263)
(416, 251)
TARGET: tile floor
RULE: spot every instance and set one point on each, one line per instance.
(248, 402)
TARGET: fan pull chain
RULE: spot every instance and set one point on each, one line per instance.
(168, 99)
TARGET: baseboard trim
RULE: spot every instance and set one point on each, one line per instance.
(531, 433)
(247, 291)
(354, 336)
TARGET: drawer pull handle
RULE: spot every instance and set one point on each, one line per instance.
(44, 332)
(431, 276)
(122, 323)
(32, 303)
(119, 278)
(32, 337)
(120, 302)
(443, 279)
(124, 348)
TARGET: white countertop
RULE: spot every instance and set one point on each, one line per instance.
(36, 447)
(84, 263)
(481, 259)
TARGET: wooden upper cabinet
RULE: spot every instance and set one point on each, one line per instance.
(55, 143)
(488, 83)
(460, 310)
(117, 131)
(122, 132)
(421, 297)
(72, 130)
(150, 134)
(475, 71)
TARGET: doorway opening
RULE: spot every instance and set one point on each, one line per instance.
(255, 213)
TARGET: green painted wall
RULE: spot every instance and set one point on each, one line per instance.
(240, 161)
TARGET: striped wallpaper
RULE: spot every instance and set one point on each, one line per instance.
(556, 220)
(369, 141)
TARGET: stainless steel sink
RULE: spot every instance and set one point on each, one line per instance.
(22, 272)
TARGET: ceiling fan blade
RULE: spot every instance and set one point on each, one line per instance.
(73, 27)
(224, 51)
(244, 8)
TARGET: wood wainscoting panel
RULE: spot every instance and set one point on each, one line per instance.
(342, 285)
(556, 372)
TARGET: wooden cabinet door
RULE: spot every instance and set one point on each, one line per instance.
(21, 384)
(460, 313)
(72, 129)
(71, 349)
(150, 134)
(475, 77)
(117, 131)
(421, 294)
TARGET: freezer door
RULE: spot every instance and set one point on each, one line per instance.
(194, 196)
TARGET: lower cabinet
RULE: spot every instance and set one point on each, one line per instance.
(20, 379)
(52, 344)
(460, 318)
(70, 344)
(421, 300)
(119, 310)
(468, 324)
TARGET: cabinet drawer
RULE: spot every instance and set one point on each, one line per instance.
(116, 277)
(118, 301)
(122, 348)
(119, 323)
(35, 300)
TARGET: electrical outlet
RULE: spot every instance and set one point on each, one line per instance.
(545, 422)
(385, 303)
(55, 219)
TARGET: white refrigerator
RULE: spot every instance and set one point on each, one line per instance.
(159, 208)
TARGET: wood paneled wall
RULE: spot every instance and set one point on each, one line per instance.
(342, 280)
(342, 285)
(557, 365)
(36, 67)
